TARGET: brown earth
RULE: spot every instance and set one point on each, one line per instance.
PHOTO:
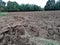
(18, 28)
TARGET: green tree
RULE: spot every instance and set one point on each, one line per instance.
(50, 5)
(24, 7)
(57, 5)
(12, 6)
(37, 8)
(30, 7)
(2, 5)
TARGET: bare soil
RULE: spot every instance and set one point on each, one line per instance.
(19, 28)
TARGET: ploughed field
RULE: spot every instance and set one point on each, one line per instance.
(30, 28)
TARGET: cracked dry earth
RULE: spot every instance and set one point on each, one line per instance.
(26, 28)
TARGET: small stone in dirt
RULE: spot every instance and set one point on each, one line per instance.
(58, 25)
(50, 32)
(1, 36)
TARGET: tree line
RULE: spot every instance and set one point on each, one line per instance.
(14, 6)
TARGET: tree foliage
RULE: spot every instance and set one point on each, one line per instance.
(12, 6)
(30, 7)
(57, 5)
(50, 5)
(2, 5)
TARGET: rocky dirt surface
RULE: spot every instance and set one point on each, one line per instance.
(29, 28)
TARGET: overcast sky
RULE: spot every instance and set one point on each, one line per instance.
(41, 3)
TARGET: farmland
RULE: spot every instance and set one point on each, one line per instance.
(30, 28)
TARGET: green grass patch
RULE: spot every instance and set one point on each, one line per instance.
(51, 42)
(42, 41)
(3, 13)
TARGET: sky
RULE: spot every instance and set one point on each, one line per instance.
(41, 3)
